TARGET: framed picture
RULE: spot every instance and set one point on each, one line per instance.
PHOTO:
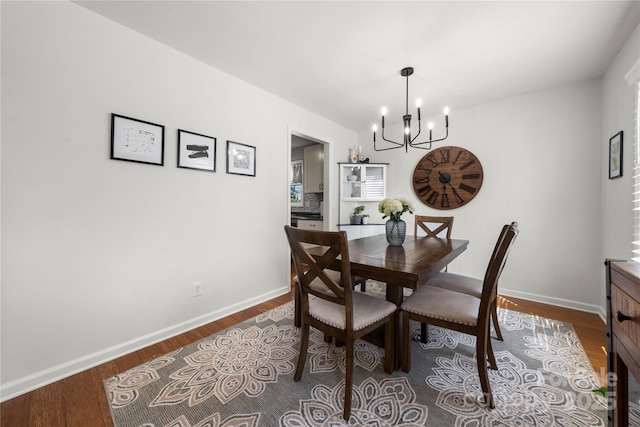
(136, 140)
(296, 172)
(295, 177)
(615, 156)
(196, 151)
(241, 159)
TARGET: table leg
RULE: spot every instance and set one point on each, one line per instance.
(394, 294)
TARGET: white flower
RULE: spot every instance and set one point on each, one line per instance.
(394, 208)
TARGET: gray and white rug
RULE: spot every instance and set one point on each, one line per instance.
(243, 376)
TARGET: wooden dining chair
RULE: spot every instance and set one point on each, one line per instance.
(467, 285)
(432, 226)
(297, 317)
(329, 304)
(461, 312)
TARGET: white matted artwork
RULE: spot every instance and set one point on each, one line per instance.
(241, 159)
(196, 151)
(136, 140)
(615, 156)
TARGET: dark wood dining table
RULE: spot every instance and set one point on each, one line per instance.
(406, 266)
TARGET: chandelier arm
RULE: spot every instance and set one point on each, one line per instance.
(393, 142)
(388, 148)
(396, 144)
(416, 136)
(418, 144)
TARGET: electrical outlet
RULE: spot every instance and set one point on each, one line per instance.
(197, 289)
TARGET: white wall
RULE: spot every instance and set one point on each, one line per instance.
(99, 255)
(618, 107)
(541, 158)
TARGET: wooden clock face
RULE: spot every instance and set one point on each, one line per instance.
(447, 178)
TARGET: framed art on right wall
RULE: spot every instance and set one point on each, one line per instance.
(615, 156)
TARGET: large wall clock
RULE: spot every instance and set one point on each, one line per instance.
(447, 178)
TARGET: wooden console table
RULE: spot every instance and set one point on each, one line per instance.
(623, 335)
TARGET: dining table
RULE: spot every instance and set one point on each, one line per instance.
(410, 265)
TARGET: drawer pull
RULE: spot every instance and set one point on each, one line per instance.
(623, 317)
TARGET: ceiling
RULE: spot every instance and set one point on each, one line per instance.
(342, 59)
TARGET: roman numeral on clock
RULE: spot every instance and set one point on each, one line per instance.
(424, 190)
(459, 200)
(466, 165)
(433, 198)
(444, 203)
(432, 158)
(421, 167)
(467, 188)
(445, 155)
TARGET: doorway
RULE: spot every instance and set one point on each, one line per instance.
(307, 197)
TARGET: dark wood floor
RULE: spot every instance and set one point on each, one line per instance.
(80, 400)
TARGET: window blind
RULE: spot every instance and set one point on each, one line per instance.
(635, 237)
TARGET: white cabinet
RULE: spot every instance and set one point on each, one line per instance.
(313, 178)
(358, 231)
(310, 224)
(363, 182)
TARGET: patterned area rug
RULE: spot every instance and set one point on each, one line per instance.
(243, 376)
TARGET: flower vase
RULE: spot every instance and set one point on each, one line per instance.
(396, 232)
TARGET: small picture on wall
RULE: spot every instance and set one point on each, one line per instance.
(136, 140)
(615, 156)
(196, 151)
(241, 159)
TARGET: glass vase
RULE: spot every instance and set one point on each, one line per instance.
(396, 232)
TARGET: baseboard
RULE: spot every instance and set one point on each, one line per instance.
(56, 373)
(560, 302)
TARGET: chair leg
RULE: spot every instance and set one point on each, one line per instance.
(304, 344)
(406, 340)
(389, 348)
(494, 317)
(297, 308)
(492, 357)
(481, 359)
(360, 281)
(348, 386)
(424, 333)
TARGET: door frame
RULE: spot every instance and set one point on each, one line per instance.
(327, 188)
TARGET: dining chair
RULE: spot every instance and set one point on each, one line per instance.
(355, 280)
(461, 312)
(466, 285)
(329, 304)
(432, 226)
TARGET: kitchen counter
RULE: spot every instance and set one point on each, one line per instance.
(306, 215)
(313, 216)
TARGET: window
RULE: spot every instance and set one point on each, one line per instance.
(633, 77)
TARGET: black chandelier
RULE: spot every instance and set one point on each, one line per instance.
(408, 141)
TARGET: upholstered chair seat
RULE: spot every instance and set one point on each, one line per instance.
(443, 304)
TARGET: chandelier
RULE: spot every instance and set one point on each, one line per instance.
(408, 140)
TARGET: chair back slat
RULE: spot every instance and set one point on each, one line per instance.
(496, 264)
(330, 248)
(433, 225)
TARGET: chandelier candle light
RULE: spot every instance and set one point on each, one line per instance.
(408, 141)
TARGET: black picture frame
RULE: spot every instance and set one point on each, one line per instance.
(241, 159)
(615, 155)
(196, 151)
(136, 140)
